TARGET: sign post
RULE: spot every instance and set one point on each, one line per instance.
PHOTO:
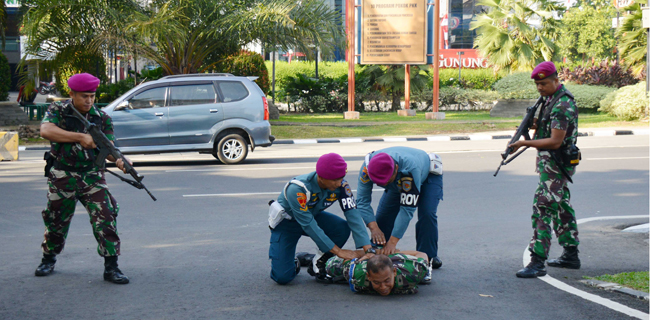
(349, 12)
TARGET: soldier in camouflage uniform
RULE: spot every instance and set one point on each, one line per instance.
(73, 176)
(557, 129)
(398, 273)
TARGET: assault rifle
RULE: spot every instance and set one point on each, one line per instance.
(107, 148)
(522, 130)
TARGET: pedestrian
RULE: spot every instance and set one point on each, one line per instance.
(557, 155)
(412, 180)
(300, 211)
(73, 176)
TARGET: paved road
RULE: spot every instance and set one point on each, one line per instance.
(200, 251)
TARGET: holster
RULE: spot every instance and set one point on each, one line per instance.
(49, 162)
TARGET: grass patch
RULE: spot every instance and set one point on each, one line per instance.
(382, 130)
(635, 280)
(378, 124)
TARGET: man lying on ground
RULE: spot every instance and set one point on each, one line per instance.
(398, 273)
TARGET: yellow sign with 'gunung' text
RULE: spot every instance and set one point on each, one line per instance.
(394, 32)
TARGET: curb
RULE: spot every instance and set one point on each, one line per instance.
(616, 287)
(472, 137)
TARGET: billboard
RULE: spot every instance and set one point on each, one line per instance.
(394, 32)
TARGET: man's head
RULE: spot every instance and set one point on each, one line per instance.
(381, 274)
(382, 169)
(83, 87)
(331, 169)
(546, 80)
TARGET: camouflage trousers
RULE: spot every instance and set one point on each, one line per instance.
(551, 205)
(64, 190)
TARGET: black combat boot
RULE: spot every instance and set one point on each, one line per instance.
(569, 259)
(317, 268)
(305, 258)
(297, 263)
(534, 269)
(435, 263)
(47, 265)
(112, 273)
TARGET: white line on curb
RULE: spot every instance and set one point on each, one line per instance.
(351, 140)
(439, 138)
(585, 295)
(394, 139)
(305, 141)
(480, 137)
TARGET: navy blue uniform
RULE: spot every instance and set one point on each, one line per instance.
(308, 218)
(413, 188)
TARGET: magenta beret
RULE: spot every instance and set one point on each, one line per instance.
(83, 82)
(381, 168)
(331, 166)
(543, 70)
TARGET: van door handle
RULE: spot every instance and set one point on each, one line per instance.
(214, 110)
(159, 114)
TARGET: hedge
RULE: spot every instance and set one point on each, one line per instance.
(627, 103)
(5, 77)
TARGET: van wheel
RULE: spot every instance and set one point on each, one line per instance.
(232, 149)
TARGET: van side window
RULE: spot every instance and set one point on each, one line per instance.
(233, 90)
(152, 98)
(192, 94)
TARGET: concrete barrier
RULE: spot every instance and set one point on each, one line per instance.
(8, 146)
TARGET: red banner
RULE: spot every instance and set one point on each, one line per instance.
(470, 59)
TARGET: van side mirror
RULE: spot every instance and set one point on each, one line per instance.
(122, 106)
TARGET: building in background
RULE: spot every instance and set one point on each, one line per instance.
(12, 45)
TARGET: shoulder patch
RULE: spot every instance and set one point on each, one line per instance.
(302, 200)
(364, 175)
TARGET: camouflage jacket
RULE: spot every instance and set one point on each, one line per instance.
(410, 271)
(563, 115)
(73, 154)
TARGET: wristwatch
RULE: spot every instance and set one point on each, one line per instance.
(371, 250)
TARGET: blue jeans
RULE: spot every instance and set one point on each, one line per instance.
(284, 239)
(426, 229)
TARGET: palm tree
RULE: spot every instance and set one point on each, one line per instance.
(507, 37)
(390, 80)
(75, 34)
(634, 39)
(289, 24)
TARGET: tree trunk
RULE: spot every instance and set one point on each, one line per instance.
(396, 101)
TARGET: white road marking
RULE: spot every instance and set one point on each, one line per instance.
(244, 194)
(586, 295)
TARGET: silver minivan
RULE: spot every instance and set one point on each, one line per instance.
(220, 114)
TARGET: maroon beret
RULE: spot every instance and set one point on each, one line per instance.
(83, 82)
(381, 168)
(331, 166)
(543, 70)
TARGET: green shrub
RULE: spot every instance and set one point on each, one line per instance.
(284, 70)
(518, 85)
(108, 92)
(317, 95)
(151, 74)
(80, 62)
(247, 63)
(482, 79)
(587, 96)
(627, 103)
(5, 77)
